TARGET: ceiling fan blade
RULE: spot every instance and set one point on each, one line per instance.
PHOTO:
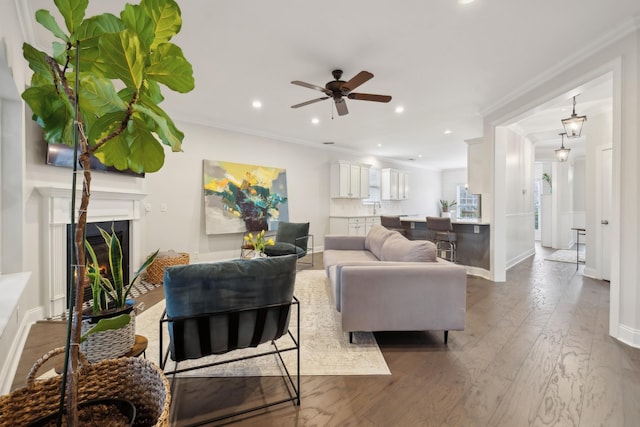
(302, 104)
(369, 97)
(341, 106)
(310, 86)
(357, 80)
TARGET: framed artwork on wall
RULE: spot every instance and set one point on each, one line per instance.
(241, 197)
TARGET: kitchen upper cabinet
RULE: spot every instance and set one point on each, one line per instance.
(394, 184)
(349, 180)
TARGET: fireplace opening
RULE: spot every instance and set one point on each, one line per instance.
(94, 237)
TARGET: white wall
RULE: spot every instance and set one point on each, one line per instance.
(178, 186)
(621, 58)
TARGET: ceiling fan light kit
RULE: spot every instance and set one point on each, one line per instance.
(573, 125)
(339, 89)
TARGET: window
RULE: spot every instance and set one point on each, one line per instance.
(468, 204)
(374, 187)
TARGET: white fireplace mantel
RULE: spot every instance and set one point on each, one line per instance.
(104, 206)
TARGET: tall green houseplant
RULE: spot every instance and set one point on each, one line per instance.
(99, 90)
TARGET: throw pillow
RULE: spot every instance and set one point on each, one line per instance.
(399, 248)
(375, 238)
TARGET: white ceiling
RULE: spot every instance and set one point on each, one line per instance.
(447, 64)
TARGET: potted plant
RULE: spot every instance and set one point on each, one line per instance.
(99, 92)
(110, 301)
(258, 243)
(446, 205)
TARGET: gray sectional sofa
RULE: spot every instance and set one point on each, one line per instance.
(385, 282)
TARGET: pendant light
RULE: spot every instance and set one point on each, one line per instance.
(562, 154)
(573, 124)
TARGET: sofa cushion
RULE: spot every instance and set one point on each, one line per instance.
(399, 248)
(376, 238)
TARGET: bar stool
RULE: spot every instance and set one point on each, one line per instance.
(444, 237)
(392, 222)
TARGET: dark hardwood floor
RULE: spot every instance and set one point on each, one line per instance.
(535, 352)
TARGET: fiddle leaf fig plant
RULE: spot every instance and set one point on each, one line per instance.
(99, 91)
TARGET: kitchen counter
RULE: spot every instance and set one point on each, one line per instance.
(473, 238)
(478, 221)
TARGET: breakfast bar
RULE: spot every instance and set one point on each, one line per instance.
(473, 238)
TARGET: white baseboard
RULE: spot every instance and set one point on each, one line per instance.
(521, 257)
(8, 371)
(479, 272)
(629, 336)
(591, 273)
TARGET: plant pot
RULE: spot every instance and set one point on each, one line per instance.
(112, 343)
(95, 412)
(87, 314)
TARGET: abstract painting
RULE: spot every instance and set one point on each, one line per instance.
(240, 197)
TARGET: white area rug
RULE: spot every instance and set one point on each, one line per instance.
(566, 255)
(325, 349)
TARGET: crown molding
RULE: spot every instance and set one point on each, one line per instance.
(627, 27)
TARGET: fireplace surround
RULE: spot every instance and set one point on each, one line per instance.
(105, 206)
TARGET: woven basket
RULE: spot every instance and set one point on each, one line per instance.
(108, 344)
(155, 272)
(132, 378)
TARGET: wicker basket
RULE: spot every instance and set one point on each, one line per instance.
(155, 272)
(132, 378)
(108, 344)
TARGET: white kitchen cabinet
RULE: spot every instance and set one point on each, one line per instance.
(353, 226)
(394, 184)
(349, 180)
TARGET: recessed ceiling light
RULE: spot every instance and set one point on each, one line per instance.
(448, 132)
(315, 120)
(465, 1)
(379, 145)
(256, 104)
(419, 156)
(399, 109)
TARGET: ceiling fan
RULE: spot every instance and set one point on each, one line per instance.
(338, 89)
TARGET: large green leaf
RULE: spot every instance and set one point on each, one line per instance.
(163, 128)
(115, 153)
(121, 57)
(37, 62)
(98, 96)
(169, 67)
(147, 102)
(166, 18)
(145, 151)
(89, 34)
(104, 126)
(53, 112)
(73, 12)
(151, 91)
(137, 20)
(47, 20)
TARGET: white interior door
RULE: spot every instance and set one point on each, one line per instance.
(603, 234)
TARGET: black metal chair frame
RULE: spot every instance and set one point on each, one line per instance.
(308, 250)
(292, 384)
